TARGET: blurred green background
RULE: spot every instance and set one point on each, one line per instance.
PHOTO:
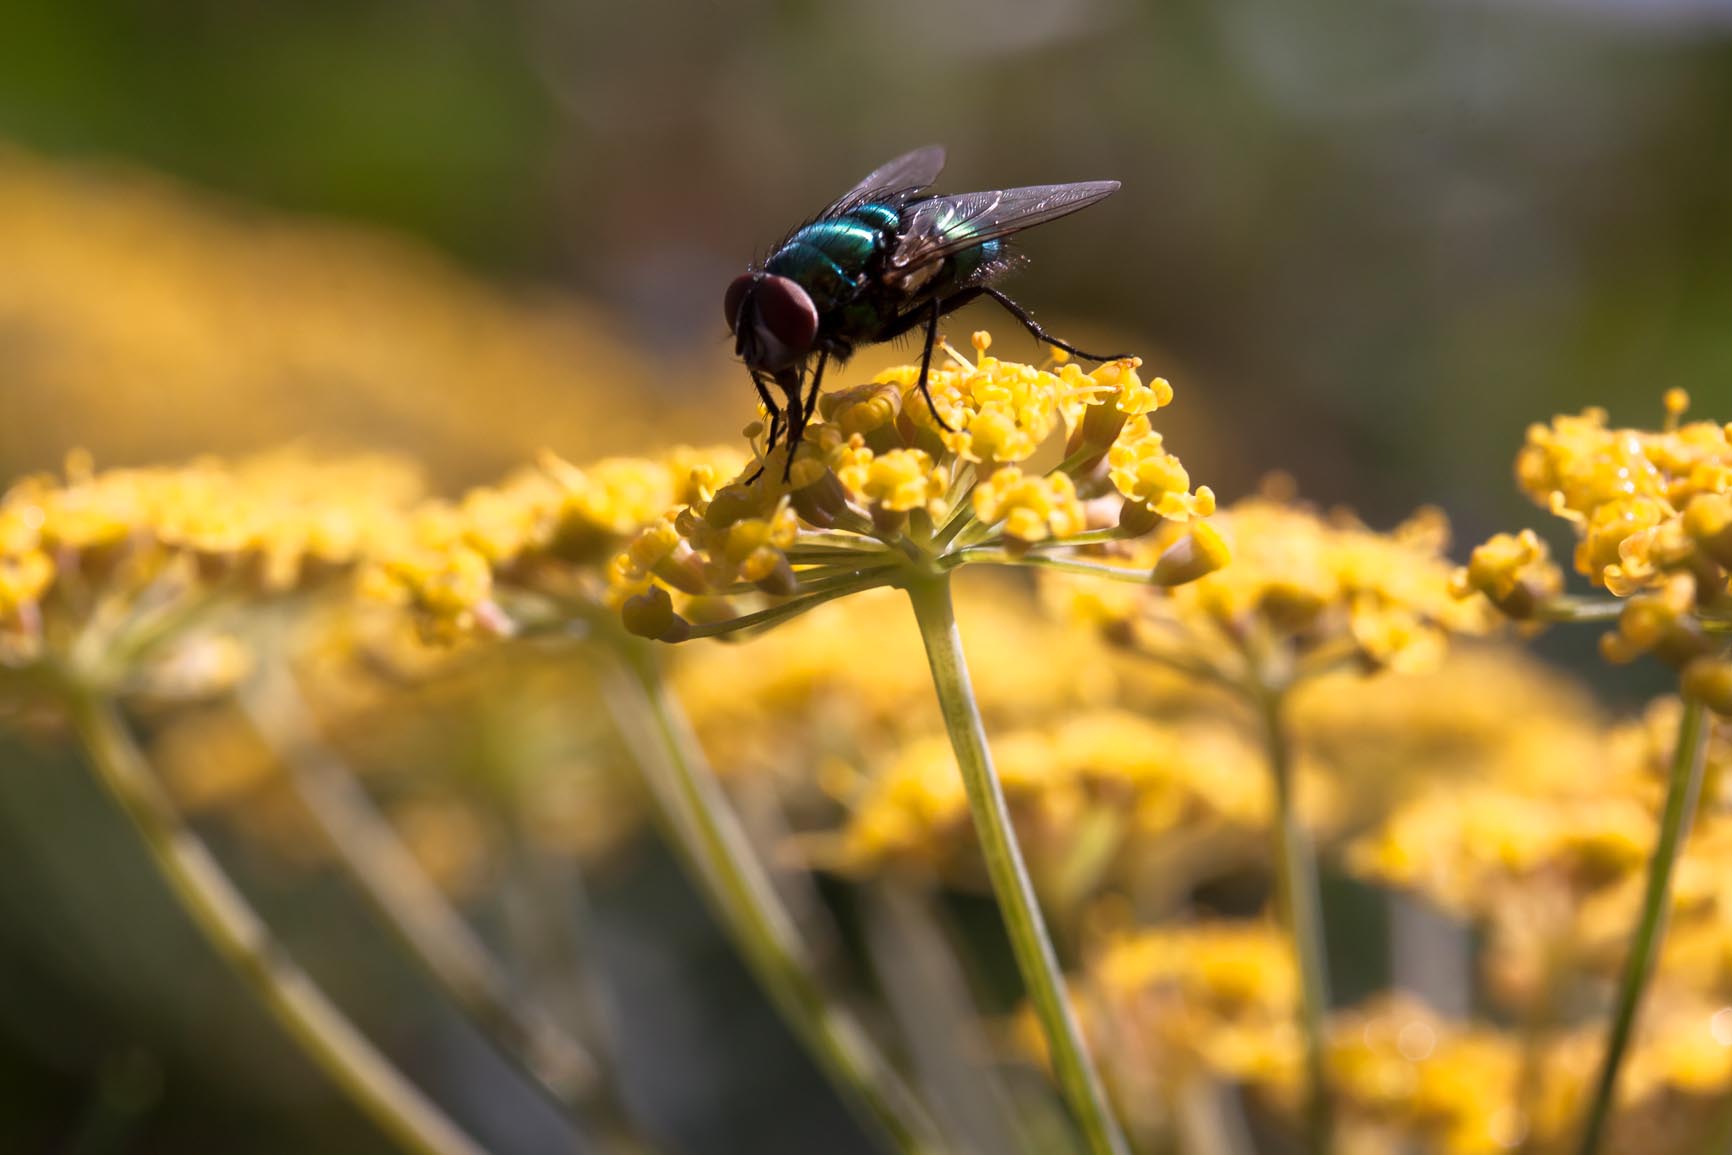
(1368, 242)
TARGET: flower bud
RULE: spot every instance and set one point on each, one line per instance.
(651, 615)
(1708, 520)
(1709, 680)
(730, 504)
(821, 502)
(1200, 552)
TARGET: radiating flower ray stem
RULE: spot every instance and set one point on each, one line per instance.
(1296, 897)
(433, 934)
(217, 908)
(1011, 884)
(995, 556)
(707, 835)
(1683, 784)
(794, 607)
(1577, 609)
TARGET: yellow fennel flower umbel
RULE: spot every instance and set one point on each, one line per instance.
(1303, 591)
(1088, 791)
(1652, 514)
(1173, 1010)
(535, 547)
(882, 490)
(100, 569)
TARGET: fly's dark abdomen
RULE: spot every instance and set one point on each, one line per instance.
(979, 263)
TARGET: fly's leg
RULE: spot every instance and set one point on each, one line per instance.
(775, 424)
(926, 364)
(940, 307)
(1040, 334)
(800, 414)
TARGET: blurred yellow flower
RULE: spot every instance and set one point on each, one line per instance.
(1063, 779)
(127, 297)
(548, 532)
(103, 561)
(1300, 589)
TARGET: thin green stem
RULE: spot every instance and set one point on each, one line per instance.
(1087, 537)
(1683, 784)
(720, 859)
(992, 555)
(240, 936)
(1579, 609)
(1029, 940)
(1296, 897)
(433, 934)
(782, 611)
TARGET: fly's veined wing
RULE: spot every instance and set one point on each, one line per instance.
(908, 173)
(934, 229)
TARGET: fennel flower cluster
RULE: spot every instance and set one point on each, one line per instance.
(1178, 1011)
(1652, 515)
(1305, 592)
(99, 567)
(534, 545)
(880, 488)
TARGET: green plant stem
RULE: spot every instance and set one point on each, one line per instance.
(429, 929)
(1682, 785)
(1035, 957)
(719, 858)
(240, 936)
(794, 607)
(995, 556)
(1296, 897)
(1579, 609)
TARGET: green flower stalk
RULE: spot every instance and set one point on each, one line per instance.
(1032, 946)
(217, 908)
(433, 934)
(1683, 785)
(701, 825)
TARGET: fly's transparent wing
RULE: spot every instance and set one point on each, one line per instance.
(900, 178)
(934, 229)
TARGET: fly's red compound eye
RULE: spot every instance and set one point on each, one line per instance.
(787, 313)
(737, 290)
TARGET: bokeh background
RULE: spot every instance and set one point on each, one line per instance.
(1368, 242)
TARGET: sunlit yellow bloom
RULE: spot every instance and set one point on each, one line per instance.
(117, 549)
(1652, 510)
(1145, 472)
(1031, 508)
(1099, 403)
(1514, 570)
(878, 490)
(552, 531)
(897, 481)
(1295, 580)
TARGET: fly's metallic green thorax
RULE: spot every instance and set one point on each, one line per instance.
(884, 259)
(829, 259)
(839, 262)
